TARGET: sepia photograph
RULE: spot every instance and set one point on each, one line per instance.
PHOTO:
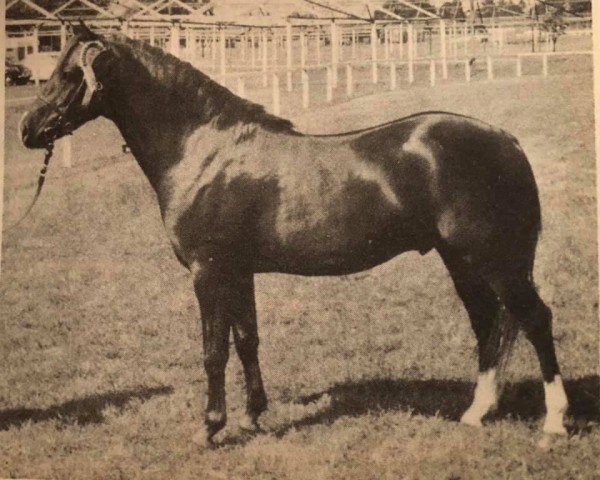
(299, 240)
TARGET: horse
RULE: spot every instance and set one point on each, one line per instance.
(242, 192)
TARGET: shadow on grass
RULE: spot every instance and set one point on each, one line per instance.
(81, 411)
(449, 399)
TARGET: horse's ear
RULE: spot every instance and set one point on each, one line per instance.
(83, 32)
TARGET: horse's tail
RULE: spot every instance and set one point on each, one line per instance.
(505, 329)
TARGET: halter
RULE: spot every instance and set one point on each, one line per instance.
(89, 82)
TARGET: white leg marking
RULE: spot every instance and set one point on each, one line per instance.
(556, 406)
(486, 397)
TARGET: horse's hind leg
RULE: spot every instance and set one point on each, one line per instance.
(517, 293)
(485, 312)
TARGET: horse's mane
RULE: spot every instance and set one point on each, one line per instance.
(203, 98)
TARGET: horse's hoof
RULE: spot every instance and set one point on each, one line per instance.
(471, 419)
(549, 440)
(249, 424)
(203, 440)
(554, 429)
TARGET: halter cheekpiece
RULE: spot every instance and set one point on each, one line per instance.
(92, 84)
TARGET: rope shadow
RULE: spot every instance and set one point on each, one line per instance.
(81, 411)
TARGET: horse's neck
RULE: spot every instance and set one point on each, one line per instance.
(152, 125)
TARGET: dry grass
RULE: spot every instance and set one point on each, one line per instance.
(367, 374)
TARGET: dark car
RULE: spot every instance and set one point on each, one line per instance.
(15, 73)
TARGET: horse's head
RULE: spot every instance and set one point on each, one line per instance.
(71, 97)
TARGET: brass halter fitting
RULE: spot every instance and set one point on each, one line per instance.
(86, 62)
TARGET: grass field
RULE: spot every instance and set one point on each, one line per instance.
(367, 374)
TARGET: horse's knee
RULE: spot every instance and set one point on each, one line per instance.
(215, 361)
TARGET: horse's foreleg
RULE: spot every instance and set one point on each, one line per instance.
(484, 310)
(215, 297)
(245, 335)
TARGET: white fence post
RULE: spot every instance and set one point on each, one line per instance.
(467, 70)
(393, 81)
(545, 65)
(241, 88)
(432, 72)
(349, 80)
(305, 91)
(329, 84)
(519, 66)
(490, 68)
(276, 95)
(66, 150)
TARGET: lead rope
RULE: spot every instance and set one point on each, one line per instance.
(41, 180)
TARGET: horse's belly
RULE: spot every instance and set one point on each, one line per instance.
(338, 249)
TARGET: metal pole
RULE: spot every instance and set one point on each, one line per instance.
(222, 52)
(411, 54)
(36, 48)
(444, 53)
(63, 35)
(252, 49)
(334, 52)
(374, 53)
(302, 49)
(288, 55)
(318, 36)
(265, 60)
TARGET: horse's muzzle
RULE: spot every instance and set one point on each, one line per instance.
(36, 135)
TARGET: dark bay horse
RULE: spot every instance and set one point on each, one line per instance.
(241, 192)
